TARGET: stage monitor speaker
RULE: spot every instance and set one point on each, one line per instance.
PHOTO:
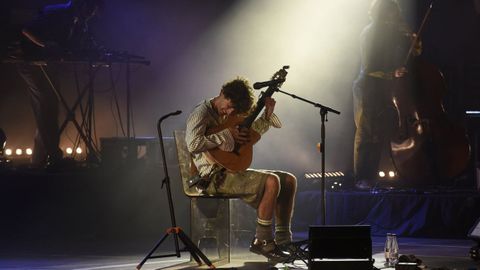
(340, 247)
(474, 232)
(473, 128)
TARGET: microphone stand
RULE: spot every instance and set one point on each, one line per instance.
(177, 232)
(323, 114)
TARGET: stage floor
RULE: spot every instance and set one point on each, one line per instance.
(435, 253)
(109, 219)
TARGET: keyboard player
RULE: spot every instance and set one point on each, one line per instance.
(58, 28)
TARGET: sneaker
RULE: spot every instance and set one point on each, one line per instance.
(269, 249)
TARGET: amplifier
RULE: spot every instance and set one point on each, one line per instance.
(119, 151)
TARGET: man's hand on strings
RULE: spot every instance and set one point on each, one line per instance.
(417, 46)
(241, 136)
(400, 72)
(269, 107)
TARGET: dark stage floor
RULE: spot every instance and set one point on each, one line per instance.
(435, 253)
(109, 219)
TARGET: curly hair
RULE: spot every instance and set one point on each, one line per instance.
(240, 93)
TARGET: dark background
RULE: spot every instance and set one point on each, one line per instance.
(194, 46)
(191, 57)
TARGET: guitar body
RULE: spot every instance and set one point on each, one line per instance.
(239, 159)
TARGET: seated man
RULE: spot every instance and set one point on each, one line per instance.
(270, 192)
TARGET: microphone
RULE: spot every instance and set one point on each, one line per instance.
(170, 114)
(259, 85)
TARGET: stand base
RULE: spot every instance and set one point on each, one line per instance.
(195, 252)
(298, 251)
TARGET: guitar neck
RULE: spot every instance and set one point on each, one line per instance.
(278, 78)
(247, 123)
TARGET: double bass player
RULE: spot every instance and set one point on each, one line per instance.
(383, 43)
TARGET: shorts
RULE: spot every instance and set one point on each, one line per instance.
(248, 185)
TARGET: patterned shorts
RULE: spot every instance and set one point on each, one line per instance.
(248, 185)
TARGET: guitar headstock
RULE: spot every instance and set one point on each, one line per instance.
(281, 75)
(277, 80)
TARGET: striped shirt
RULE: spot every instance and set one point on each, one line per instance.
(203, 118)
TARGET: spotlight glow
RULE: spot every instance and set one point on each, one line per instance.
(381, 174)
(8, 152)
(79, 150)
(18, 152)
(318, 39)
(391, 174)
(69, 150)
(29, 151)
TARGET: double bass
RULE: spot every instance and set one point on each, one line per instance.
(427, 145)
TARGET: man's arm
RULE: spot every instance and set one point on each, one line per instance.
(197, 141)
(33, 38)
(268, 118)
(35, 31)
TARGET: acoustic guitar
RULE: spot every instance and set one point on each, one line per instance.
(241, 156)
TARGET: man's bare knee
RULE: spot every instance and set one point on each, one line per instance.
(272, 184)
(291, 182)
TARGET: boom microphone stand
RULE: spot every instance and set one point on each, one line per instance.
(176, 231)
(323, 114)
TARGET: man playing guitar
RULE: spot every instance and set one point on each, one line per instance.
(270, 192)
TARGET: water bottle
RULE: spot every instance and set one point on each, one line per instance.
(391, 250)
(388, 245)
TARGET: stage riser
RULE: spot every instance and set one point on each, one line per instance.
(442, 215)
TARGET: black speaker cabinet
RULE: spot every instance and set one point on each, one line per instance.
(474, 232)
(122, 151)
(340, 247)
(473, 128)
